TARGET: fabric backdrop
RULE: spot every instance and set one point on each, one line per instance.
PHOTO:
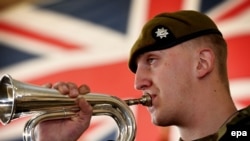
(88, 41)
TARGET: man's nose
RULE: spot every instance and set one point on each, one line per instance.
(142, 79)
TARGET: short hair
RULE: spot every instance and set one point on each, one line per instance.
(219, 46)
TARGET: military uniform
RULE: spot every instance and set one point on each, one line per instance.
(228, 132)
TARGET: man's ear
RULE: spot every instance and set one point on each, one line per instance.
(205, 63)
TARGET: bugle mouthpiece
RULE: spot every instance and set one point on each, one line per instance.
(145, 100)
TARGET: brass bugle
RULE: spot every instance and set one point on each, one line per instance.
(18, 99)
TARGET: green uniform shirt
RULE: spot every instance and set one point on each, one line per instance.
(237, 129)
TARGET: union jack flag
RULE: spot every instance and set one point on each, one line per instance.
(89, 41)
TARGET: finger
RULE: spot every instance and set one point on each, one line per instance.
(85, 112)
(73, 90)
(61, 87)
(86, 109)
(84, 89)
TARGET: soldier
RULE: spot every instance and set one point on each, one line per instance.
(180, 59)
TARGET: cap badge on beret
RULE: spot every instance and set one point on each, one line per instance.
(162, 35)
(161, 32)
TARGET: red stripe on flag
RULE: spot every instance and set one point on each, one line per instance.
(14, 29)
(238, 56)
(235, 11)
(158, 6)
(245, 101)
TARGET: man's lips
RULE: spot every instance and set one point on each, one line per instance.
(153, 97)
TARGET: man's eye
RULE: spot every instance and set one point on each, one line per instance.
(150, 60)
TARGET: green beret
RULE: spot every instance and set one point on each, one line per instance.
(169, 29)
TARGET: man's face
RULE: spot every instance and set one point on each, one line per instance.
(167, 76)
